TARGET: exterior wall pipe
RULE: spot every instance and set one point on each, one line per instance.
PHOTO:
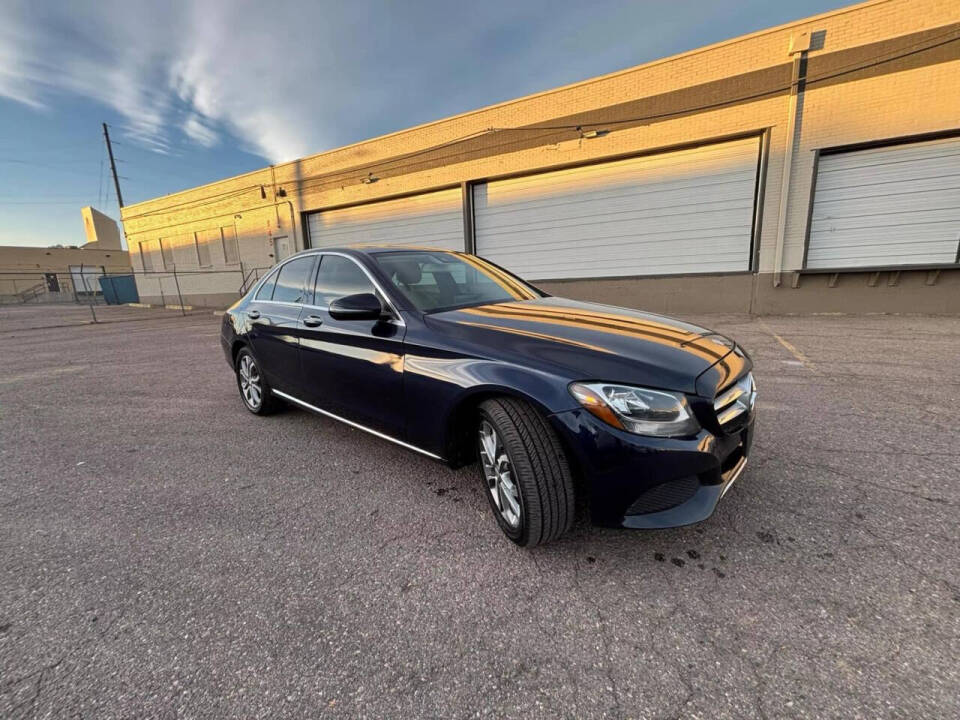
(799, 73)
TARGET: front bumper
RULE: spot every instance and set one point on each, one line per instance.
(636, 481)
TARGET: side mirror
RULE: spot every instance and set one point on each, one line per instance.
(362, 306)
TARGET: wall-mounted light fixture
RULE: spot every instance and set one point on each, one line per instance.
(370, 179)
(589, 134)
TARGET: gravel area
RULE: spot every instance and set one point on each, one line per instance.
(164, 553)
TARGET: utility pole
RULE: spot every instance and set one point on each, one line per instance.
(113, 165)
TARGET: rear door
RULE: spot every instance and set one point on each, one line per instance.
(352, 368)
(274, 315)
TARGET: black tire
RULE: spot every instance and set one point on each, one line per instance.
(268, 402)
(540, 467)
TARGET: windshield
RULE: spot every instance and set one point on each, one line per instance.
(436, 280)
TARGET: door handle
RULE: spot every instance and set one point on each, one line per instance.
(313, 321)
(253, 314)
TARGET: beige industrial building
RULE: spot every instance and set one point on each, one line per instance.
(101, 231)
(50, 274)
(811, 167)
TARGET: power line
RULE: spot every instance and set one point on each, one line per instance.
(46, 166)
(42, 202)
(229, 194)
(360, 172)
(853, 67)
(745, 98)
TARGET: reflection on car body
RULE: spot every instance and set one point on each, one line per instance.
(454, 357)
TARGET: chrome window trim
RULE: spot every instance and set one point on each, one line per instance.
(397, 317)
(278, 270)
(357, 425)
(278, 302)
(734, 476)
(259, 284)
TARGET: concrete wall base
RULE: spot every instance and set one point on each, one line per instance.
(907, 292)
(668, 295)
(904, 292)
(214, 301)
(911, 291)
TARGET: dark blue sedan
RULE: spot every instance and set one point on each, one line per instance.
(452, 356)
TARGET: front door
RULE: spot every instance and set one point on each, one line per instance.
(352, 368)
(281, 248)
(273, 316)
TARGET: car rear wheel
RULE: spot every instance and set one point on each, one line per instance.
(254, 390)
(525, 472)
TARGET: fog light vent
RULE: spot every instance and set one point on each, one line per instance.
(665, 496)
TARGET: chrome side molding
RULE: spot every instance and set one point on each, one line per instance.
(351, 423)
(734, 474)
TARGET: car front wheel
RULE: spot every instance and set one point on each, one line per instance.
(525, 472)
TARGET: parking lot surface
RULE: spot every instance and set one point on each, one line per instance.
(165, 553)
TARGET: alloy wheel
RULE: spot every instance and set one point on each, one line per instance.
(499, 474)
(250, 385)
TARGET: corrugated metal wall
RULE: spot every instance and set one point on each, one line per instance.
(685, 211)
(894, 205)
(432, 219)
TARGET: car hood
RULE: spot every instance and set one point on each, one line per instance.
(589, 341)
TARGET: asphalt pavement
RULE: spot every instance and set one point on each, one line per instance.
(164, 553)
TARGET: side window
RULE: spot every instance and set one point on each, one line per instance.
(292, 280)
(266, 290)
(339, 276)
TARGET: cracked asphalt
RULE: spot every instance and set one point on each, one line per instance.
(163, 553)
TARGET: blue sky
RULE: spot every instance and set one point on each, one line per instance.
(197, 91)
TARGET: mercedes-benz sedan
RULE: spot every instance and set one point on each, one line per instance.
(452, 356)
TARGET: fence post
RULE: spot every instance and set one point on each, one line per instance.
(83, 277)
(243, 279)
(179, 296)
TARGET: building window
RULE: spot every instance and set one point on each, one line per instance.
(203, 249)
(231, 251)
(145, 256)
(166, 253)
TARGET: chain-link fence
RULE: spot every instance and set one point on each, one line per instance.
(90, 294)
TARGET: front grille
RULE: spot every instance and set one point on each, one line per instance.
(735, 400)
(665, 496)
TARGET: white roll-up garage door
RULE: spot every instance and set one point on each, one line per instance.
(432, 219)
(685, 211)
(887, 206)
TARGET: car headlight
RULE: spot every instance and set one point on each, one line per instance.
(637, 410)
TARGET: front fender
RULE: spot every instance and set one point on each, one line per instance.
(437, 387)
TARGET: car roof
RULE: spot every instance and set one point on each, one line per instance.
(371, 248)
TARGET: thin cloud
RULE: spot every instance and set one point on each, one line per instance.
(200, 133)
(293, 78)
